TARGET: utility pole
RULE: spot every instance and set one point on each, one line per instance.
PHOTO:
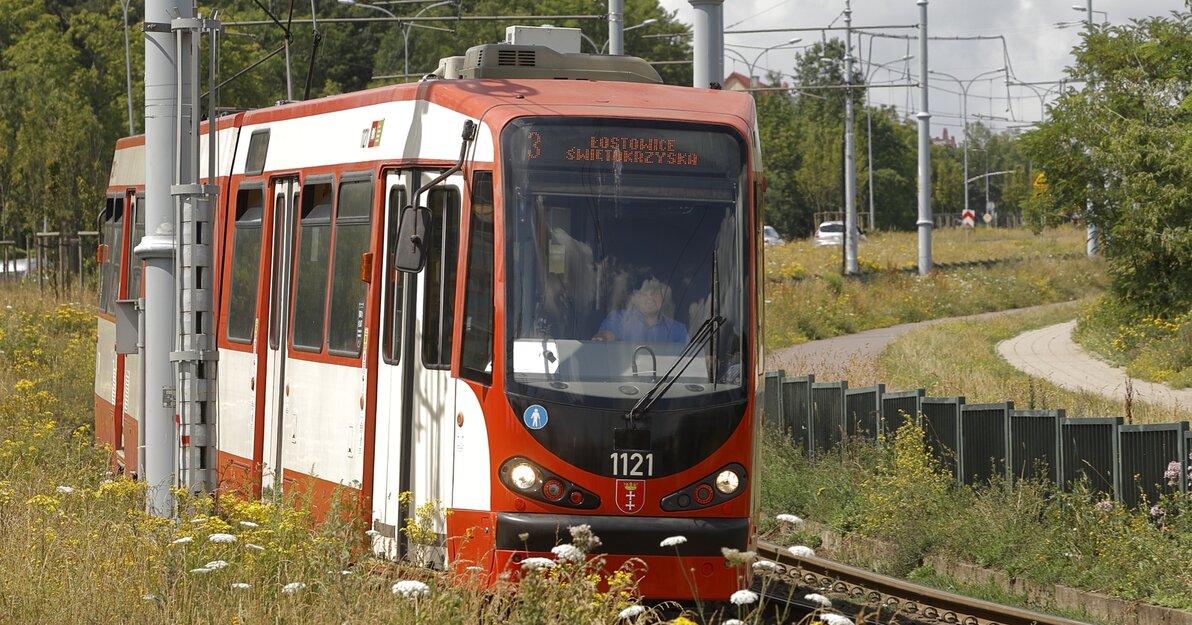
(157, 247)
(616, 26)
(1091, 232)
(924, 117)
(850, 153)
(708, 44)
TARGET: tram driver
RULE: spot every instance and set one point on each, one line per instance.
(642, 318)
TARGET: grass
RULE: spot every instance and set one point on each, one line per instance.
(827, 304)
(1154, 348)
(896, 496)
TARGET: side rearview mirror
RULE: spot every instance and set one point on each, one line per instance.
(410, 248)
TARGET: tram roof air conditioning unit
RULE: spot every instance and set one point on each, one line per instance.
(511, 61)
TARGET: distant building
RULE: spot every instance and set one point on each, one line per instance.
(944, 140)
(737, 81)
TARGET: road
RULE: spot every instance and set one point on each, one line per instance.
(1048, 353)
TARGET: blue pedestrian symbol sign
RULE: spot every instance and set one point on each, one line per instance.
(535, 417)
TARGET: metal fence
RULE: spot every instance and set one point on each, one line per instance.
(981, 443)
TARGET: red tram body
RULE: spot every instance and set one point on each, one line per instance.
(508, 410)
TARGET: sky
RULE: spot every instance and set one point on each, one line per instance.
(1038, 50)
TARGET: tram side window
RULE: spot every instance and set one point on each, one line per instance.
(311, 267)
(113, 235)
(138, 232)
(442, 252)
(352, 225)
(246, 258)
(394, 280)
(476, 353)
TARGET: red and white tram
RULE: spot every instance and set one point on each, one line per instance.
(515, 380)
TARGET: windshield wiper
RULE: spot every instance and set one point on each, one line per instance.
(705, 332)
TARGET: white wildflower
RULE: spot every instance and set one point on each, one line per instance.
(765, 566)
(249, 524)
(743, 597)
(568, 553)
(631, 612)
(673, 541)
(221, 539)
(65, 490)
(345, 572)
(240, 586)
(534, 564)
(411, 589)
(802, 551)
(819, 600)
(835, 619)
(733, 621)
(200, 570)
(789, 518)
(293, 587)
(183, 540)
(216, 565)
(372, 533)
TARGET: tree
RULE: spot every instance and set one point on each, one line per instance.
(1124, 143)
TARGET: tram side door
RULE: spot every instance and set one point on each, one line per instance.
(428, 416)
(284, 209)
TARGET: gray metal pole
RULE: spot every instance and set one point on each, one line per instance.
(850, 151)
(924, 117)
(132, 128)
(964, 118)
(157, 250)
(1091, 230)
(869, 167)
(708, 52)
(616, 26)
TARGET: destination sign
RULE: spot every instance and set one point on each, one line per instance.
(671, 146)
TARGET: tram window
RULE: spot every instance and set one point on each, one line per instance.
(476, 353)
(311, 267)
(394, 281)
(439, 303)
(135, 268)
(353, 222)
(113, 236)
(246, 258)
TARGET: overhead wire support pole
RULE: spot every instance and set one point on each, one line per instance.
(194, 356)
(850, 152)
(924, 116)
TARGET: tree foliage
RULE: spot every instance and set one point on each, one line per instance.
(66, 97)
(1123, 143)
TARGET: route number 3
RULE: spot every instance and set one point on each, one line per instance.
(535, 148)
(627, 464)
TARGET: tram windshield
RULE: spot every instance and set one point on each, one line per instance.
(624, 238)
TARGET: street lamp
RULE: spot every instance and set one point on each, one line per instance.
(789, 42)
(869, 130)
(600, 49)
(1089, 10)
(964, 87)
(407, 24)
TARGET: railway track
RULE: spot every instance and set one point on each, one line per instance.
(882, 598)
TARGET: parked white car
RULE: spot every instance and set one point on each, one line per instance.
(832, 233)
(770, 236)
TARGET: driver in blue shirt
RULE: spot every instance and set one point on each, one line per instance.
(642, 319)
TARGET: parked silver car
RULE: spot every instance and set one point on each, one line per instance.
(832, 233)
(770, 236)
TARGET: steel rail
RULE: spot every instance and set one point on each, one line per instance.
(910, 600)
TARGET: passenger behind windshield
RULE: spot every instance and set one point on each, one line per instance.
(642, 318)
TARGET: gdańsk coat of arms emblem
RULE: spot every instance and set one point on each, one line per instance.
(631, 495)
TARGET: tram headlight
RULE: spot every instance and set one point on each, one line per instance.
(727, 482)
(523, 475)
